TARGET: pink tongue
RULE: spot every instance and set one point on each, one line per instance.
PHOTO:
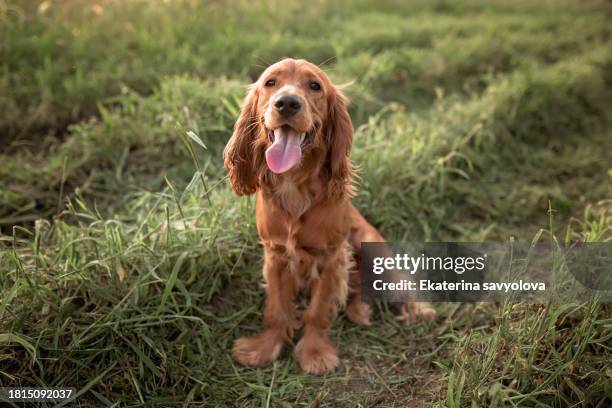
(285, 152)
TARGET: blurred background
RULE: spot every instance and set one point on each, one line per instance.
(127, 267)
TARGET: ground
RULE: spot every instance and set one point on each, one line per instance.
(127, 267)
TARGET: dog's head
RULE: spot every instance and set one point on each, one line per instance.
(293, 120)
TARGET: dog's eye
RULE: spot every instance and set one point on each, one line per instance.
(314, 85)
(270, 82)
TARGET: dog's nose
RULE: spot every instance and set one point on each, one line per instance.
(288, 105)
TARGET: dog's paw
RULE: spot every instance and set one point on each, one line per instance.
(412, 312)
(257, 351)
(316, 355)
(359, 312)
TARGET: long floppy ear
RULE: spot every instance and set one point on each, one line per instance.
(238, 155)
(340, 140)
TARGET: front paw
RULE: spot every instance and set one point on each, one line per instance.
(258, 350)
(316, 354)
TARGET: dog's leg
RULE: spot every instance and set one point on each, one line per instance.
(315, 351)
(357, 310)
(407, 312)
(263, 348)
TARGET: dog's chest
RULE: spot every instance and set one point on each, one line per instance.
(294, 199)
(293, 216)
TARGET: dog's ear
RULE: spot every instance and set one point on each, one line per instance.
(238, 155)
(340, 140)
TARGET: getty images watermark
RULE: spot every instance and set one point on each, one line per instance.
(451, 271)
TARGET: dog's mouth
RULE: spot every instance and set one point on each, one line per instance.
(286, 149)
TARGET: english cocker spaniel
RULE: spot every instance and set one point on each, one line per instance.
(291, 147)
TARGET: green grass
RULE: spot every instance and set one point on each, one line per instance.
(127, 267)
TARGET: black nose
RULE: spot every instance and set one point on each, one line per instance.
(288, 105)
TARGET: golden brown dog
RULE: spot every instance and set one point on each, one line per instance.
(291, 147)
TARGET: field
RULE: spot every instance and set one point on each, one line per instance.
(127, 266)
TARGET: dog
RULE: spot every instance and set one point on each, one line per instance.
(290, 147)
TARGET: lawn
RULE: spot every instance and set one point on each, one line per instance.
(127, 266)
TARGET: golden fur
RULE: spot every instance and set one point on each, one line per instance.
(309, 229)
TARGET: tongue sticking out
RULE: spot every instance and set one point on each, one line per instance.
(285, 152)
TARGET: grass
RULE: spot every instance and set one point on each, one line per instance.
(127, 267)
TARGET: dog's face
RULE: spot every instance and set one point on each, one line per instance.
(292, 116)
(294, 102)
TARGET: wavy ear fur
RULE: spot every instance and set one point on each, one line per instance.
(340, 140)
(238, 155)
